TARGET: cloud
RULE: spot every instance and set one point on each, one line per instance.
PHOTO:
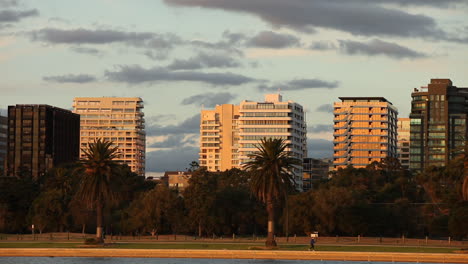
(85, 50)
(171, 160)
(190, 125)
(325, 108)
(173, 141)
(8, 3)
(86, 36)
(15, 16)
(348, 16)
(300, 84)
(135, 74)
(269, 39)
(209, 99)
(230, 43)
(204, 60)
(320, 148)
(379, 47)
(322, 45)
(70, 78)
(434, 3)
(320, 128)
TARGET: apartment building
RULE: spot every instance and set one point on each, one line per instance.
(40, 137)
(365, 130)
(229, 133)
(219, 136)
(314, 170)
(403, 146)
(438, 123)
(3, 142)
(116, 119)
(273, 118)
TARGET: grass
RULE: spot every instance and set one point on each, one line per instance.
(236, 246)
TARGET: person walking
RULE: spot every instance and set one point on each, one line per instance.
(312, 243)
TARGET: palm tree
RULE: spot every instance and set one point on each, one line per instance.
(271, 177)
(95, 189)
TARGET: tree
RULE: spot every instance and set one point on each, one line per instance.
(95, 189)
(271, 177)
(194, 166)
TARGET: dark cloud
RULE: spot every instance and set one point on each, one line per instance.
(86, 36)
(204, 60)
(135, 75)
(86, 50)
(15, 16)
(320, 128)
(209, 99)
(325, 108)
(269, 39)
(379, 47)
(190, 125)
(8, 3)
(320, 148)
(349, 16)
(70, 78)
(300, 84)
(176, 159)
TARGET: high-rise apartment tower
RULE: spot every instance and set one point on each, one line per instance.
(438, 123)
(403, 149)
(230, 133)
(40, 137)
(3, 142)
(365, 130)
(116, 119)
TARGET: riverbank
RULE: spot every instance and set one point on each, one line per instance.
(235, 254)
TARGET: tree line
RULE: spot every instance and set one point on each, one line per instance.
(382, 199)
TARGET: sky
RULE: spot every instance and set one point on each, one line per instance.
(182, 56)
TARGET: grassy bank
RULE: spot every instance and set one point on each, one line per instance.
(237, 246)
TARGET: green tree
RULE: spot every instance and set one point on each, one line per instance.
(271, 177)
(95, 189)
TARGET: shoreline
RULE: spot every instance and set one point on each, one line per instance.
(235, 254)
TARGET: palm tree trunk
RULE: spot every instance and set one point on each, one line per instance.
(270, 242)
(99, 222)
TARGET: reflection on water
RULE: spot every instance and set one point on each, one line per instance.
(56, 260)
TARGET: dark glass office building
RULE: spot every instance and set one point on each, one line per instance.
(39, 138)
(438, 123)
(3, 142)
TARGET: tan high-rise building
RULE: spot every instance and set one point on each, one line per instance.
(404, 142)
(230, 133)
(219, 137)
(116, 119)
(365, 130)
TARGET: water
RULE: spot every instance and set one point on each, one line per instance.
(57, 260)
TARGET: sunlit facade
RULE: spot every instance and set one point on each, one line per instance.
(404, 142)
(365, 130)
(116, 119)
(219, 136)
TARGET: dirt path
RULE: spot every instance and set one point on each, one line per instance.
(235, 254)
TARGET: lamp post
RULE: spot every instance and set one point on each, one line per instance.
(32, 228)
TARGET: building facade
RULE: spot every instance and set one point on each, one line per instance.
(403, 150)
(438, 123)
(230, 133)
(314, 170)
(40, 137)
(365, 130)
(219, 137)
(3, 142)
(116, 119)
(177, 179)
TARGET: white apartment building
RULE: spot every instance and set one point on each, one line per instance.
(229, 133)
(116, 119)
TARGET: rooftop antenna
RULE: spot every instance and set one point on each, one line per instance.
(279, 90)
